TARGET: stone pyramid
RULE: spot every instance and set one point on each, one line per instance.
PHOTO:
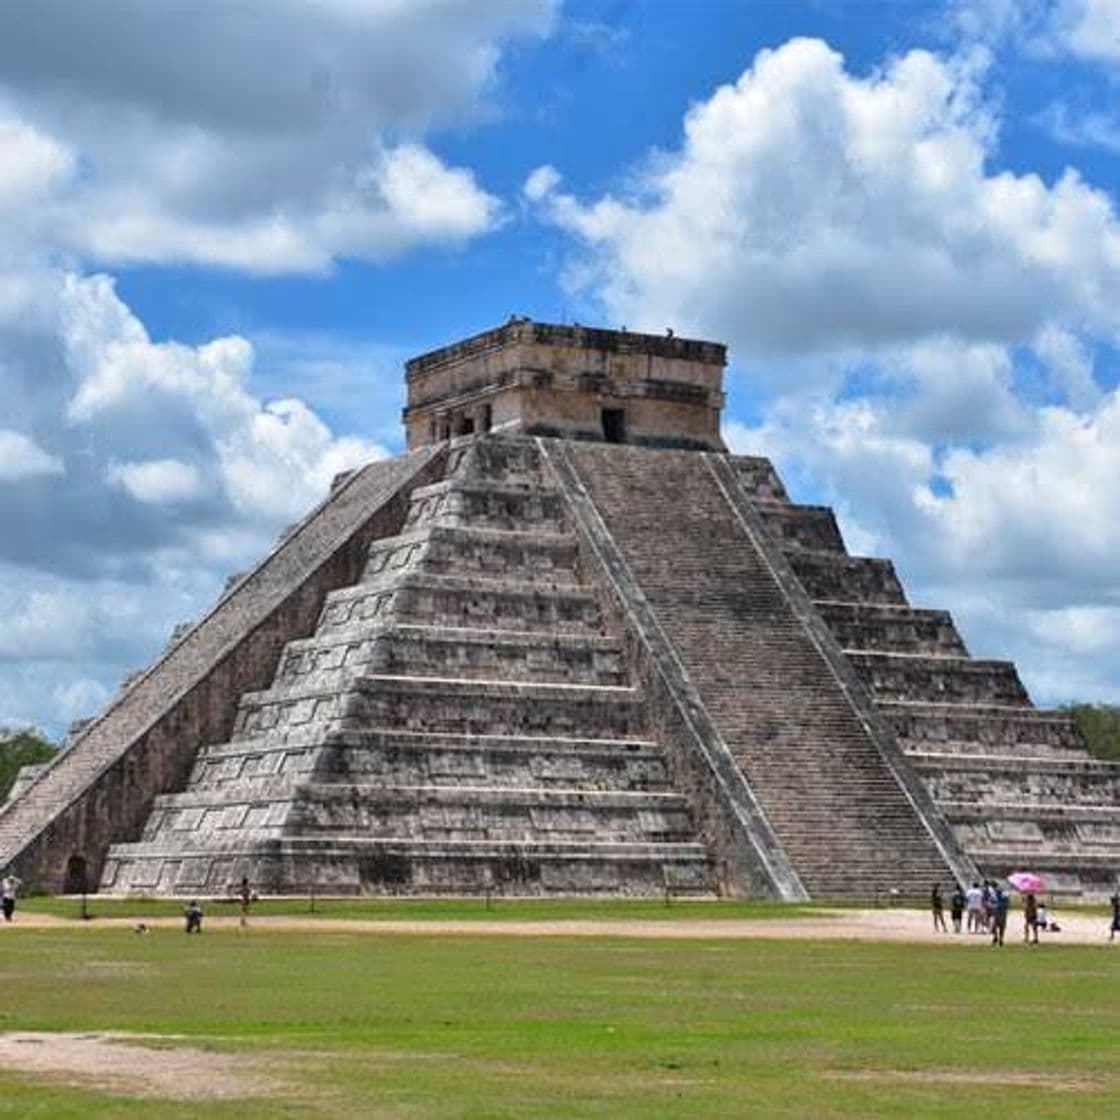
(566, 644)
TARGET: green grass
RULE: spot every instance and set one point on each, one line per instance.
(437, 1026)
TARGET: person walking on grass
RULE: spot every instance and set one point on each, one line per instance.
(938, 909)
(988, 905)
(999, 914)
(1030, 918)
(1114, 928)
(245, 899)
(9, 888)
(193, 916)
(956, 908)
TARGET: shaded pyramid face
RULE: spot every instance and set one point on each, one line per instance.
(460, 721)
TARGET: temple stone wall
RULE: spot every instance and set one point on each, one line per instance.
(556, 380)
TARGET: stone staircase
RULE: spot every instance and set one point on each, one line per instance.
(1015, 782)
(459, 722)
(834, 803)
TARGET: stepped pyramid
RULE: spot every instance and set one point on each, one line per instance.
(567, 644)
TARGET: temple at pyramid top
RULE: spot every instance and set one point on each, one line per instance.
(571, 381)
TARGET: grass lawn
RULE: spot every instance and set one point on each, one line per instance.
(356, 1024)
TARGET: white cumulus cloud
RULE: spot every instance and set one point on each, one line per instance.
(157, 480)
(21, 457)
(811, 210)
(301, 141)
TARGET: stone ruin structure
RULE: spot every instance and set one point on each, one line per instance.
(566, 643)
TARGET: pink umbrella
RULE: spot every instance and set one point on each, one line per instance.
(1027, 881)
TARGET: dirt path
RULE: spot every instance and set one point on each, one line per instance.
(133, 1065)
(845, 925)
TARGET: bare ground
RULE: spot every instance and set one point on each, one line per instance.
(846, 925)
(136, 1065)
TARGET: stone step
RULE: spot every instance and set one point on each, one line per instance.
(411, 797)
(1072, 841)
(427, 812)
(832, 577)
(486, 504)
(1077, 765)
(801, 527)
(405, 649)
(758, 478)
(1032, 840)
(541, 557)
(461, 601)
(1021, 754)
(495, 707)
(418, 758)
(984, 729)
(870, 627)
(389, 558)
(1037, 812)
(939, 680)
(404, 866)
(282, 711)
(997, 778)
(455, 704)
(1083, 875)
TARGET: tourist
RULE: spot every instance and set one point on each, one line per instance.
(956, 908)
(9, 888)
(193, 915)
(988, 903)
(1114, 929)
(999, 902)
(1046, 921)
(938, 910)
(1030, 918)
(245, 898)
(974, 898)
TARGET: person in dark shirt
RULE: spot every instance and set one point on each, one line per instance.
(999, 915)
(193, 915)
(1030, 918)
(1114, 929)
(245, 899)
(938, 909)
(956, 908)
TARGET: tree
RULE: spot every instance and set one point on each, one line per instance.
(1100, 726)
(21, 747)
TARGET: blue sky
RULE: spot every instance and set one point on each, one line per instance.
(224, 227)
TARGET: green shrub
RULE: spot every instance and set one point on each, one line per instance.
(22, 747)
(1100, 725)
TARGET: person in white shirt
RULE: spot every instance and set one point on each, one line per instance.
(974, 901)
(9, 888)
